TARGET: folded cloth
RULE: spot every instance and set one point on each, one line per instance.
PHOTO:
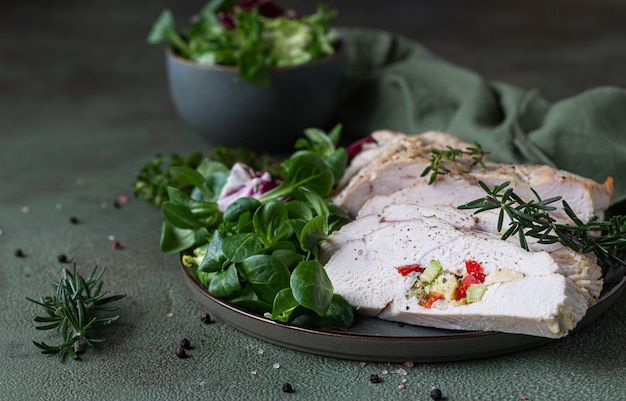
(395, 83)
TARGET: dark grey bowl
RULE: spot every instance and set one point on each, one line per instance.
(228, 111)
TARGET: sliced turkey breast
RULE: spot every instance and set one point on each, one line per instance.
(554, 310)
(452, 191)
(368, 150)
(536, 293)
(586, 197)
(580, 268)
(385, 141)
(446, 191)
(399, 164)
(402, 162)
(391, 214)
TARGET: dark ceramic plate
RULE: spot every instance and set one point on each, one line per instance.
(376, 340)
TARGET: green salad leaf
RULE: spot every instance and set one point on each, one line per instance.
(260, 250)
(251, 35)
(164, 31)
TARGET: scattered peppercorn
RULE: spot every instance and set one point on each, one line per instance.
(287, 388)
(74, 220)
(19, 253)
(116, 244)
(62, 258)
(205, 318)
(116, 204)
(435, 394)
(181, 353)
(374, 378)
(185, 343)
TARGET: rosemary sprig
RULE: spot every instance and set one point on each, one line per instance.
(72, 312)
(606, 239)
(436, 167)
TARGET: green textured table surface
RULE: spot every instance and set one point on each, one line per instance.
(83, 104)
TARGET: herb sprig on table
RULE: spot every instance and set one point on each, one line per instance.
(74, 312)
(260, 251)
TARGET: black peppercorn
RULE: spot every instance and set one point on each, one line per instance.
(435, 394)
(287, 388)
(181, 353)
(185, 343)
(19, 253)
(62, 258)
(374, 378)
(205, 318)
(74, 220)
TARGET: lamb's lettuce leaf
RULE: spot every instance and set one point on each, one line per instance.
(259, 249)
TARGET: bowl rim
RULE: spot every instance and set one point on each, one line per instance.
(338, 45)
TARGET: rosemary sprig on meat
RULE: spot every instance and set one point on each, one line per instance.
(438, 157)
(606, 239)
(72, 311)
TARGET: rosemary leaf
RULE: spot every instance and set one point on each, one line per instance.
(436, 168)
(606, 239)
(71, 311)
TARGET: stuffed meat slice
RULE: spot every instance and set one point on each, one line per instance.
(388, 272)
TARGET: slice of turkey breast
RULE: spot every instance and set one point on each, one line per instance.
(450, 192)
(547, 296)
(397, 163)
(390, 214)
(402, 161)
(582, 269)
(553, 312)
(372, 147)
(586, 197)
(386, 141)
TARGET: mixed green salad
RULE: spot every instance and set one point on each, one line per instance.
(253, 35)
(251, 234)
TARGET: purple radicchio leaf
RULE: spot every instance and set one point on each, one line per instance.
(227, 20)
(267, 9)
(356, 147)
(244, 181)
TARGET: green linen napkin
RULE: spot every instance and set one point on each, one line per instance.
(395, 83)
